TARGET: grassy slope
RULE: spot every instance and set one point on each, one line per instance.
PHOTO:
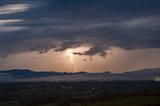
(131, 101)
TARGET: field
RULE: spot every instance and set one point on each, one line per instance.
(116, 93)
(131, 101)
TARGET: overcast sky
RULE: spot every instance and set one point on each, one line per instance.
(101, 35)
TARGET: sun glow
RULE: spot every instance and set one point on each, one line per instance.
(70, 55)
(71, 58)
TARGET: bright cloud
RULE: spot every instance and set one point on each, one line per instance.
(4, 22)
(9, 29)
(5, 25)
(13, 8)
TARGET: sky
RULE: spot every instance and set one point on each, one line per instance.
(80, 35)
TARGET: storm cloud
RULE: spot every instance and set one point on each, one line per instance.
(41, 25)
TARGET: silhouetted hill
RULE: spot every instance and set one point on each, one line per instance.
(17, 73)
(28, 75)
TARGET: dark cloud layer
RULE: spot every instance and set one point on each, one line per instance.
(63, 24)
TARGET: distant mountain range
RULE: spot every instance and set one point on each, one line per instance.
(18, 75)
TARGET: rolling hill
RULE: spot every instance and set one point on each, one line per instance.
(18, 75)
